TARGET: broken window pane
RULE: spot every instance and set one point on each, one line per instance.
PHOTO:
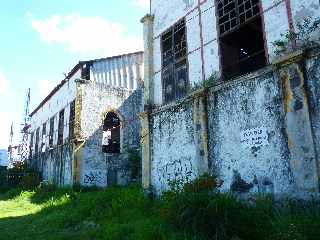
(111, 134)
(174, 62)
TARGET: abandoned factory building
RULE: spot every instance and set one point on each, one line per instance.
(232, 88)
(82, 131)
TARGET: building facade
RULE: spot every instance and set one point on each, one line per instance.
(82, 131)
(232, 88)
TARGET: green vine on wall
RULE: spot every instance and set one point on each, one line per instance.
(302, 38)
(207, 83)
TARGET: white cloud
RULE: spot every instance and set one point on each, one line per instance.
(6, 119)
(144, 4)
(4, 84)
(87, 34)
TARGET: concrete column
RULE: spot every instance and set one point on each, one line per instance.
(146, 153)
(77, 145)
(298, 125)
(201, 132)
(148, 58)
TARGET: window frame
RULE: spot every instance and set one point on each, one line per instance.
(105, 147)
(61, 127)
(221, 36)
(51, 132)
(174, 62)
(44, 133)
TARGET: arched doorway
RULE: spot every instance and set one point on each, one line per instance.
(111, 133)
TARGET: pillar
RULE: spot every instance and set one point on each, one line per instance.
(298, 125)
(148, 58)
(148, 100)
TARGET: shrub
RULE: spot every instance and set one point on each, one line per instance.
(201, 210)
(30, 180)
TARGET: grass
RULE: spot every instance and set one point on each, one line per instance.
(192, 213)
(116, 213)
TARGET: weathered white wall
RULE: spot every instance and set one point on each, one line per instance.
(254, 103)
(275, 23)
(166, 13)
(60, 100)
(97, 100)
(122, 71)
(304, 8)
(169, 12)
(174, 152)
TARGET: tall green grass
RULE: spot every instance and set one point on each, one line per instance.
(195, 211)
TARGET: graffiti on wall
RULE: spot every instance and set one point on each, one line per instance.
(177, 171)
(255, 137)
(94, 177)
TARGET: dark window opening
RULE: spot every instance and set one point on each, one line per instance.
(85, 73)
(31, 143)
(36, 148)
(51, 132)
(111, 134)
(43, 138)
(61, 127)
(174, 62)
(241, 37)
(71, 120)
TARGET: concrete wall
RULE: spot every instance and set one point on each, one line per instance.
(259, 135)
(60, 100)
(114, 85)
(97, 100)
(55, 164)
(121, 71)
(174, 150)
(263, 132)
(247, 105)
(202, 35)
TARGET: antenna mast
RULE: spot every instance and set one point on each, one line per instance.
(25, 125)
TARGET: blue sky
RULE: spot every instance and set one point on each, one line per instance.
(42, 39)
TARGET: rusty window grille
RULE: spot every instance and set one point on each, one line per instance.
(36, 148)
(61, 127)
(174, 62)
(51, 131)
(241, 38)
(233, 13)
(43, 138)
(72, 119)
(111, 133)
